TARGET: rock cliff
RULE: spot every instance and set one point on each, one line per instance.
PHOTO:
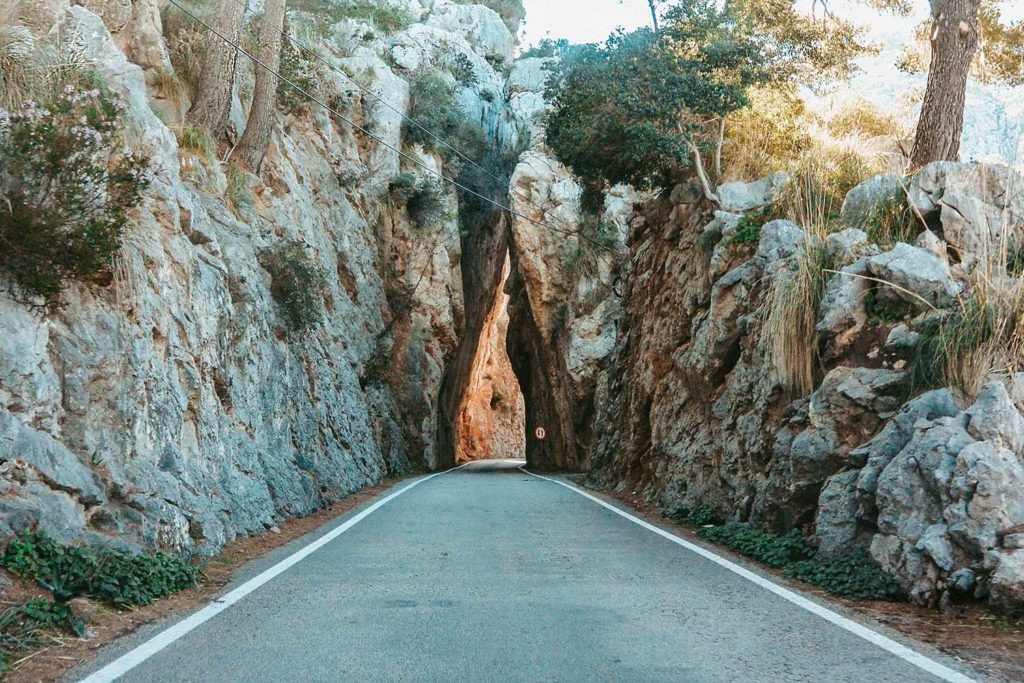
(172, 407)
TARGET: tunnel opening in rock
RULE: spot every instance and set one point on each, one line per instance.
(491, 420)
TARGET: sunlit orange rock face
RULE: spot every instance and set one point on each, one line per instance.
(492, 416)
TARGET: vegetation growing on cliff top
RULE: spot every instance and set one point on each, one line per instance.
(648, 105)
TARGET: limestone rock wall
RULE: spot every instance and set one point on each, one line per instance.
(172, 408)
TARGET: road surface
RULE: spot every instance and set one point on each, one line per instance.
(490, 574)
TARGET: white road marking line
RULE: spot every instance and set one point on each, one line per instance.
(888, 644)
(133, 658)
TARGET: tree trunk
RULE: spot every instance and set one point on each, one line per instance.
(212, 105)
(954, 39)
(654, 13)
(705, 182)
(260, 126)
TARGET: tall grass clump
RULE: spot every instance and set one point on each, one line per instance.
(862, 119)
(766, 136)
(982, 334)
(197, 141)
(820, 181)
(16, 65)
(35, 70)
(893, 220)
(186, 42)
(791, 314)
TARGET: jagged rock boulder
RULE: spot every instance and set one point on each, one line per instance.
(478, 24)
(862, 203)
(1006, 585)
(933, 492)
(980, 206)
(917, 274)
(740, 197)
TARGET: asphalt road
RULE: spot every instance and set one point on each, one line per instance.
(490, 574)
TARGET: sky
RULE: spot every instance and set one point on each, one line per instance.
(589, 21)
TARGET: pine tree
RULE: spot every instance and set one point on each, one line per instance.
(253, 146)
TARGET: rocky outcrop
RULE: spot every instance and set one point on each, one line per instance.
(565, 304)
(936, 495)
(696, 413)
(492, 418)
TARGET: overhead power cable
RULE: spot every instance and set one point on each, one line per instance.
(241, 50)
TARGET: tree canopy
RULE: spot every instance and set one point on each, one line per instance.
(644, 106)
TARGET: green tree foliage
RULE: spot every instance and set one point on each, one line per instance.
(646, 105)
(1000, 56)
(432, 105)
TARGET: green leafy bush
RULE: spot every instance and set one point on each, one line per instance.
(853, 575)
(701, 516)
(21, 627)
(67, 184)
(462, 70)
(748, 230)
(301, 68)
(770, 549)
(432, 104)
(105, 574)
(297, 284)
(424, 199)
(882, 310)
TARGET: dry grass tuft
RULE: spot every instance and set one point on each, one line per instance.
(862, 119)
(791, 314)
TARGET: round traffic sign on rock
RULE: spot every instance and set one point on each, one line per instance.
(540, 433)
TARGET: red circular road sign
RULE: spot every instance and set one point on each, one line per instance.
(540, 433)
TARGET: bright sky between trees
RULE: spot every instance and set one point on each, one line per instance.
(590, 21)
